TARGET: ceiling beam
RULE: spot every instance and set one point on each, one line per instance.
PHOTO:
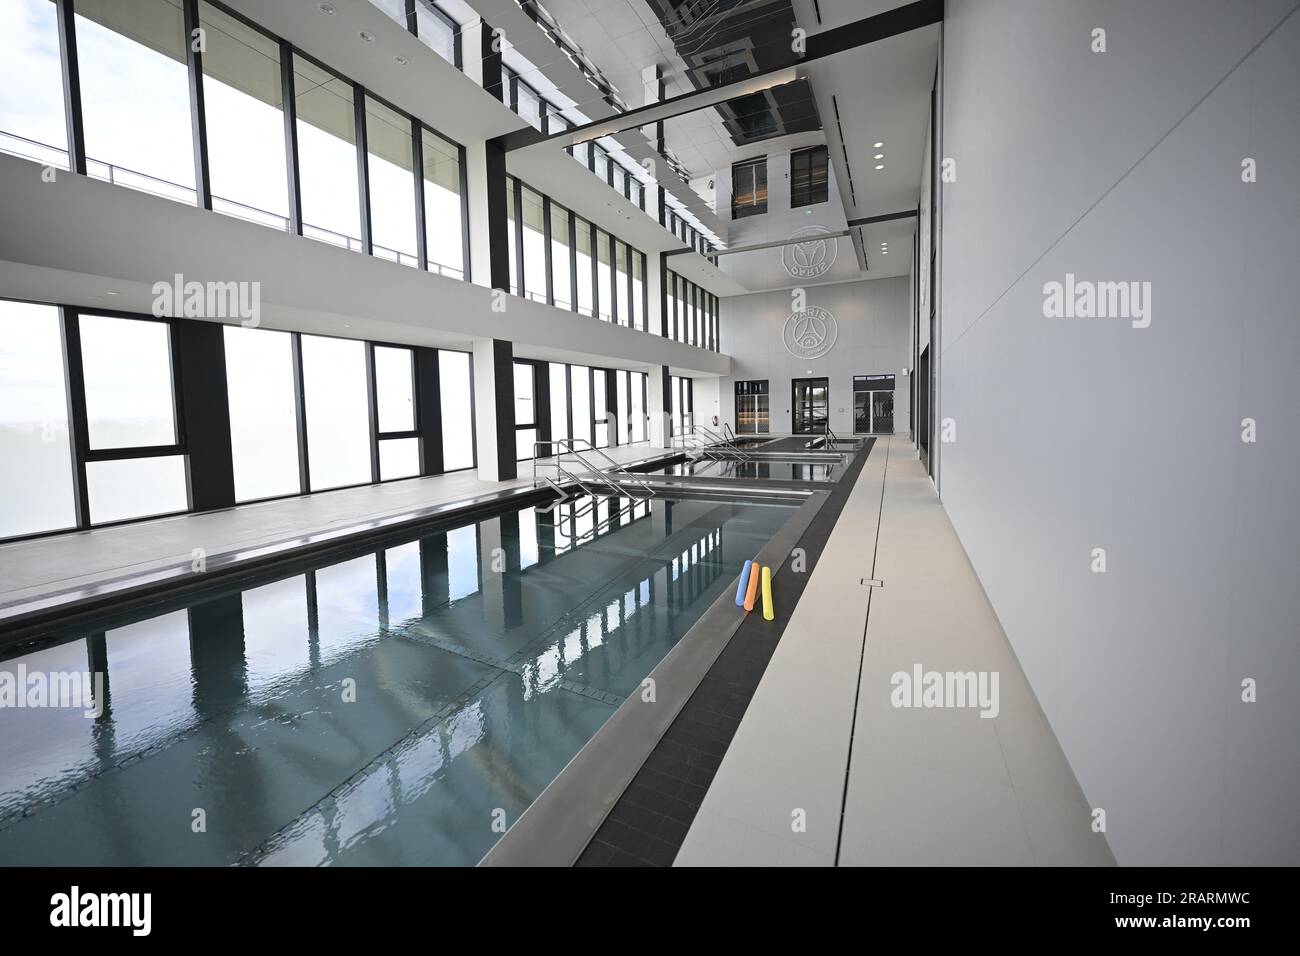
(887, 217)
(913, 16)
(758, 246)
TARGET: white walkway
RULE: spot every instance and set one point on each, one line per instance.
(825, 769)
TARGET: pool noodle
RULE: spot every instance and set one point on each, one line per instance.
(743, 583)
(752, 592)
(768, 613)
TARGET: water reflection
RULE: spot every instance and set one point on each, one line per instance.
(479, 659)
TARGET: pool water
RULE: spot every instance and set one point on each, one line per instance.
(401, 706)
(754, 468)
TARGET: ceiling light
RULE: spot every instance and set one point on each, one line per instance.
(367, 36)
(880, 165)
(400, 60)
(877, 145)
(880, 156)
(328, 9)
(111, 292)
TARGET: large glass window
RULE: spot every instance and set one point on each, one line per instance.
(36, 491)
(263, 412)
(683, 319)
(512, 215)
(455, 389)
(561, 260)
(243, 104)
(525, 410)
(621, 398)
(135, 98)
(622, 277)
(443, 212)
(599, 410)
(809, 178)
(528, 105)
(580, 395)
(127, 369)
(749, 188)
(399, 449)
(337, 410)
(638, 291)
(389, 163)
(559, 386)
(638, 406)
(692, 319)
(586, 303)
(31, 83)
(128, 374)
(327, 155)
(394, 389)
(534, 245)
(604, 293)
(436, 30)
(125, 488)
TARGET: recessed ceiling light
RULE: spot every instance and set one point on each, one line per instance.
(367, 36)
(328, 9)
(877, 145)
(111, 292)
(880, 155)
(880, 165)
(400, 60)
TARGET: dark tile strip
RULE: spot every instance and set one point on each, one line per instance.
(649, 821)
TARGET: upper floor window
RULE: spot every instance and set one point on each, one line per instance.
(749, 188)
(808, 176)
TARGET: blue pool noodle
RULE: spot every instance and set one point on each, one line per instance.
(743, 586)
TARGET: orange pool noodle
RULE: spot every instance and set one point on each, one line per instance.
(752, 593)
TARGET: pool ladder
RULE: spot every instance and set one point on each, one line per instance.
(712, 446)
(616, 481)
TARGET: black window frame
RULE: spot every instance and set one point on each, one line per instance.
(809, 192)
(754, 208)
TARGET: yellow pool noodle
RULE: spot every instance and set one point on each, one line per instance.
(752, 593)
(768, 613)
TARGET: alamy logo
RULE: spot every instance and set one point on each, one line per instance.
(922, 688)
(52, 689)
(209, 300)
(1084, 299)
(75, 908)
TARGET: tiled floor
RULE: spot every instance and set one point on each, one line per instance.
(824, 769)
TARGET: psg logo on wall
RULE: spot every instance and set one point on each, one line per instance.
(811, 254)
(811, 333)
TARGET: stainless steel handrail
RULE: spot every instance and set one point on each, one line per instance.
(614, 466)
(724, 443)
(612, 478)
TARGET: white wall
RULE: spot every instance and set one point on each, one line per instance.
(874, 338)
(73, 240)
(1078, 434)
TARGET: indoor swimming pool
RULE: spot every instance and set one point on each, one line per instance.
(755, 468)
(398, 706)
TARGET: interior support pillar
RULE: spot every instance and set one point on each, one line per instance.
(494, 409)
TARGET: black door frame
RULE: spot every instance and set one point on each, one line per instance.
(794, 404)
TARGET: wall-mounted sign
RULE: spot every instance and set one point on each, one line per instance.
(812, 255)
(810, 334)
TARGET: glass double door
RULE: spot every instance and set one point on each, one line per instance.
(810, 408)
(873, 413)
